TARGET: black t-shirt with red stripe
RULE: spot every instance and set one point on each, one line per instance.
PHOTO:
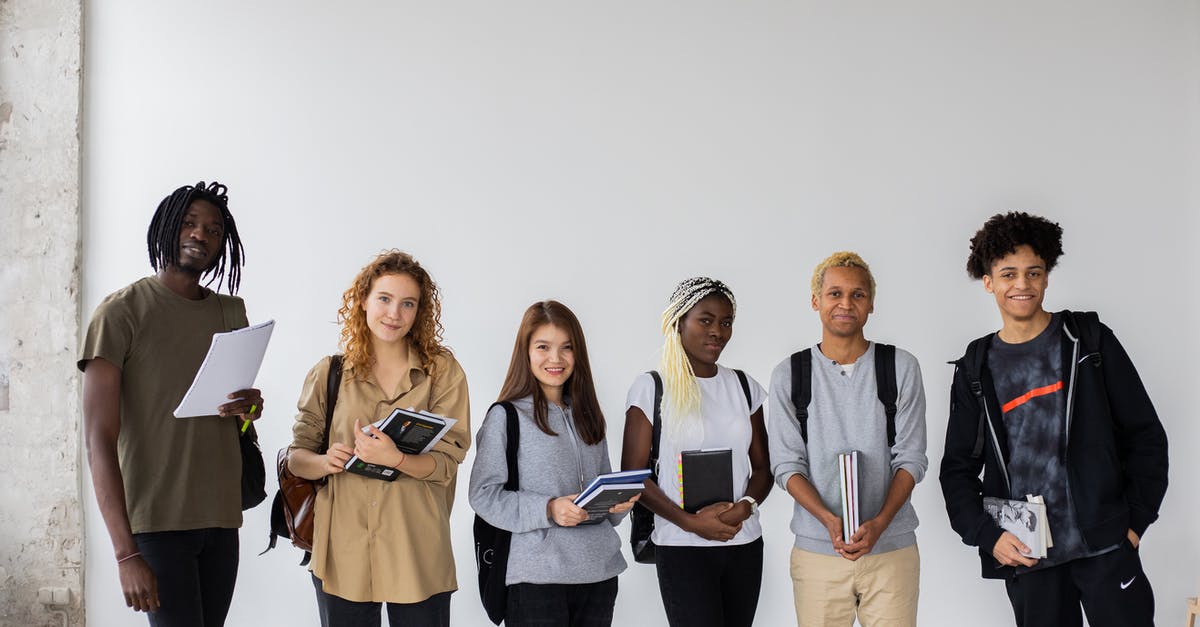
(1029, 381)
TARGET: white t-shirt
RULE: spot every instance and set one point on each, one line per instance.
(726, 420)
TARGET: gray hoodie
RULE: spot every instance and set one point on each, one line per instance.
(548, 467)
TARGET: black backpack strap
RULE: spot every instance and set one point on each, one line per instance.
(514, 444)
(656, 433)
(886, 387)
(745, 387)
(1086, 326)
(973, 361)
(802, 388)
(332, 384)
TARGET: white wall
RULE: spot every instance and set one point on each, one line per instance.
(598, 154)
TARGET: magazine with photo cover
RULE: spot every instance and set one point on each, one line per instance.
(1024, 519)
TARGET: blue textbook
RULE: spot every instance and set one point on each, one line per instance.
(608, 490)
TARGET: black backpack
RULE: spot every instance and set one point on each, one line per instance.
(885, 384)
(641, 519)
(491, 543)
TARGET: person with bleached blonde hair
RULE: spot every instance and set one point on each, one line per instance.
(849, 394)
(709, 561)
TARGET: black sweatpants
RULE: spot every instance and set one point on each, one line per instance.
(710, 586)
(1112, 588)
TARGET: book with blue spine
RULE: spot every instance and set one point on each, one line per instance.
(610, 489)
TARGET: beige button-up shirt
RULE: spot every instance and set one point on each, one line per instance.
(376, 540)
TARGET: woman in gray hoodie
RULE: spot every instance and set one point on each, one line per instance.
(562, 567)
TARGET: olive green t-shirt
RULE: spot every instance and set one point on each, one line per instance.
(179, 473)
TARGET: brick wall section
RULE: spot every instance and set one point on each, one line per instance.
(41, 514)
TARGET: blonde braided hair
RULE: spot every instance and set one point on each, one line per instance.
(679, 380)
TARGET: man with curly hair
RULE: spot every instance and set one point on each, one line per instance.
(1052, 406)
(169, 489)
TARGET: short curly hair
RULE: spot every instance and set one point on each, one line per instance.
(1004, 232)
(841, 259)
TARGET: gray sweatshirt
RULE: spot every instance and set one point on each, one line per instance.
(845, 415)
(548, 467)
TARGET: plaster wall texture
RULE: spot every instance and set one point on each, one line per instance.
(41, 519)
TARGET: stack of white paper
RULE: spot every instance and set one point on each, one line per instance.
(231, 364)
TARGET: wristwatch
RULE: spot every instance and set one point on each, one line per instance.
(753, 503)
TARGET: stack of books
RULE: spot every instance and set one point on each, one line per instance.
(848, 474)
(610, 489)
(414, 432)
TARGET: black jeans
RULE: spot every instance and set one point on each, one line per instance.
(196, 571)
(552, 605)
(338, 612)
(1112, 588)
(710, 585)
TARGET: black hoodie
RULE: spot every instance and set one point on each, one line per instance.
(1115, 452)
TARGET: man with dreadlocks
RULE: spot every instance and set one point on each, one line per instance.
(1052, 406)
(169, 489)
(709, 562)
(874, 573)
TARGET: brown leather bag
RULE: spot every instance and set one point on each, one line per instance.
(292, 509)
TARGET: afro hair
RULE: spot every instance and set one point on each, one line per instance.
(1003, 233)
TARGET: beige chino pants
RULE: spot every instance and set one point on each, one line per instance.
(883, 588)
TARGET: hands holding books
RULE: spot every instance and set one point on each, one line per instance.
(862, 540)
(737, 514)
(621, 508)
(1010, 551)
(334, 460)
(375, 447)
(708, 523)
(564, 512)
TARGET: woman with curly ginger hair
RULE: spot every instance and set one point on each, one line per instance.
(380, 541)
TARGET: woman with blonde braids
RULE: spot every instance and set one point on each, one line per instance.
(710, 562)
(376, 541)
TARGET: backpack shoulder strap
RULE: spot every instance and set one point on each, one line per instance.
(1086, 326)
(513, 430)
(745, 387)
(656, 434)
(973, 361)
(886, 386)
(802, 388)
(332, 384)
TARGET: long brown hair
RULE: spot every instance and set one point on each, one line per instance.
(426, 333)
(580, 391)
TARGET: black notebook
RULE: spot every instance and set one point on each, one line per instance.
(705, 477)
